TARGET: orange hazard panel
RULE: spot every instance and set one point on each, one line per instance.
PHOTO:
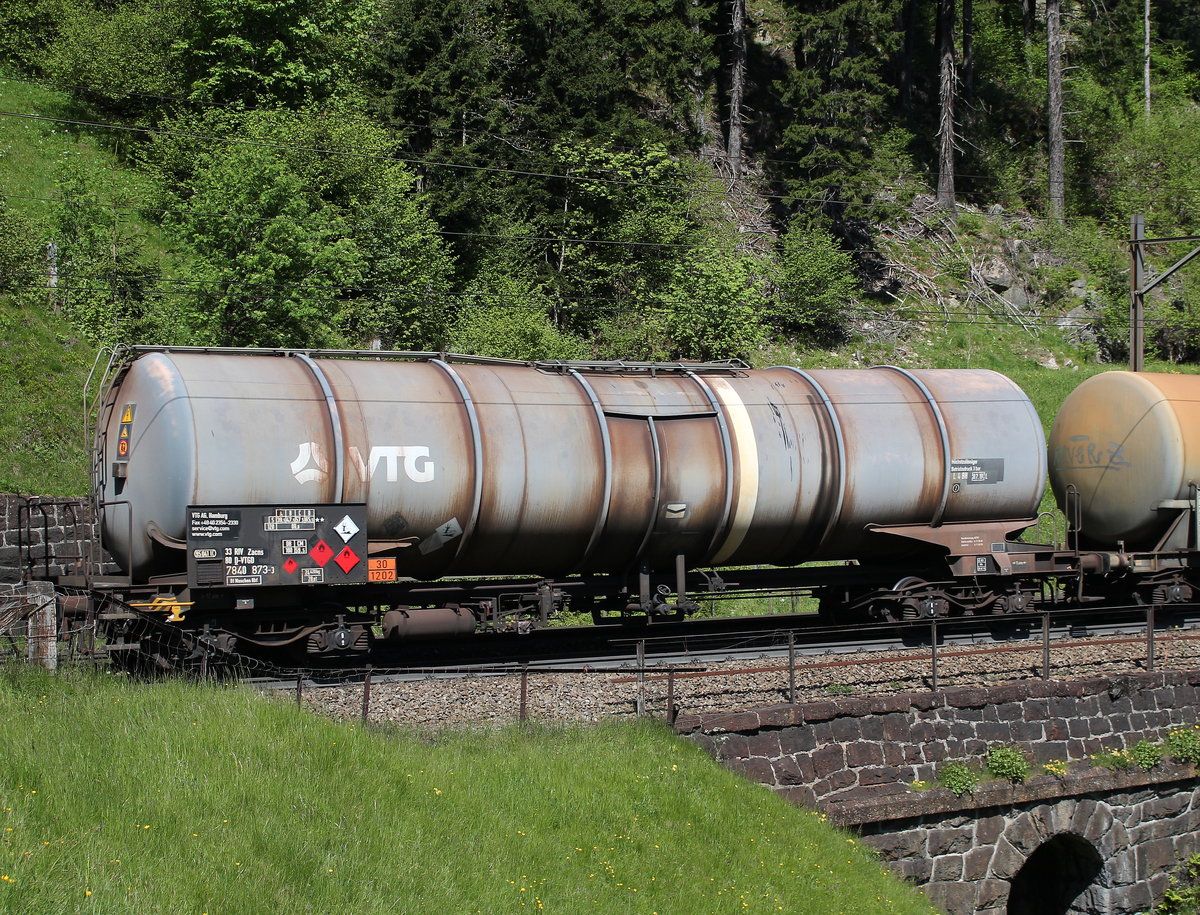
(381, 569)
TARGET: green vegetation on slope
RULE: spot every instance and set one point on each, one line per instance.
(173, 798)
(42, 373)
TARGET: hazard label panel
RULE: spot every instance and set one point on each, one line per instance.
(271, 545)
(383, 569)
(125, 432)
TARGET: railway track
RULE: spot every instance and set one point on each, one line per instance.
(738, 641)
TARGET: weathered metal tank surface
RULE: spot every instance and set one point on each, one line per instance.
(1127, 442)
(474, 468)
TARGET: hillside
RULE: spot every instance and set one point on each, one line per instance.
(568, 180)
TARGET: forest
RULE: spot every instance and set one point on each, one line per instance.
(583, 179)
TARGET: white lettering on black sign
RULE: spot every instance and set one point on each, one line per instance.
(213, 525)
(977, 470)
(291, 519)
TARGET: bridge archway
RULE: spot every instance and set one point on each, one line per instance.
(1057, 878)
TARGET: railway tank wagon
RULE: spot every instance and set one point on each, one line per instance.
(268, 491)
(1125, 466)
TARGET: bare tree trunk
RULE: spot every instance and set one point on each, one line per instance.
(968, 51)
(1057, 202)
(906, 62)
(737, 86)
(1146, 60)
(946, 93)
(701, 116)
(1028, 9)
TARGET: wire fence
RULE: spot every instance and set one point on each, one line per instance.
(931, 656)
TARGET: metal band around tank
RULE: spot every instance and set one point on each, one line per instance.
(606, 440)
(747, 468)
(727, 452)
(656, 453)
(335, 420)
(839, 440)
(942, 431)
(476, 450)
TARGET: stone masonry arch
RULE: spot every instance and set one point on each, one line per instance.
(1063, 876)
(1089, 821)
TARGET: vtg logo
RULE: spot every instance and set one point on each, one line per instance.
(312, 466)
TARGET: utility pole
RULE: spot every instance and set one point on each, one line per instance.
(1137, 295)
(1139, 285)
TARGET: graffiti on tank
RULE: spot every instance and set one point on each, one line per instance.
(1081, 453)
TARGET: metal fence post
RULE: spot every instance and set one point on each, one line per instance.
(671, 696)
(933, 654)
(524, 692)
(641, 678)
(299, 687)
(366, 706)
(1150, 637)
(1046, 645)
(792, 668)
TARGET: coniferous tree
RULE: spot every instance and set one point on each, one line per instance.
(834, 99)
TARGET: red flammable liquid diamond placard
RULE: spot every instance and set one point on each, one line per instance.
(290, 565)
(347, 559)
(321, 553)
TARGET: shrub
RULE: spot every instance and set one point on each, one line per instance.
(1008, 763)
(1183, 744)
(816, 285)
(1146, 755)
(958, 777)
(1183, 892)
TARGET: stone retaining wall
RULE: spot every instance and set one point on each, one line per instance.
(52, 529)
(838, 751)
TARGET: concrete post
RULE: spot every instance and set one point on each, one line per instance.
(42, 648)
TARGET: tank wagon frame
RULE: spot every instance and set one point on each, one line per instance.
(310, 501)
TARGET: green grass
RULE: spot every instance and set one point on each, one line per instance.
(176, 798)
(44, 360)
(43, 367)
(37, 155)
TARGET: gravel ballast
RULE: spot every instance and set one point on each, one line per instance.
(493, 700)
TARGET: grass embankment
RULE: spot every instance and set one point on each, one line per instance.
(44, 361)
(174, 798)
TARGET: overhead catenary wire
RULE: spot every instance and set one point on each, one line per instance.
(457, 130)
(900, 314)
(504, 237)
(575, 175)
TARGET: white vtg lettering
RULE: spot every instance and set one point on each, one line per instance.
(418, 466)
(311, 465)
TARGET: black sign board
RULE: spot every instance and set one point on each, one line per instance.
(255, 546)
